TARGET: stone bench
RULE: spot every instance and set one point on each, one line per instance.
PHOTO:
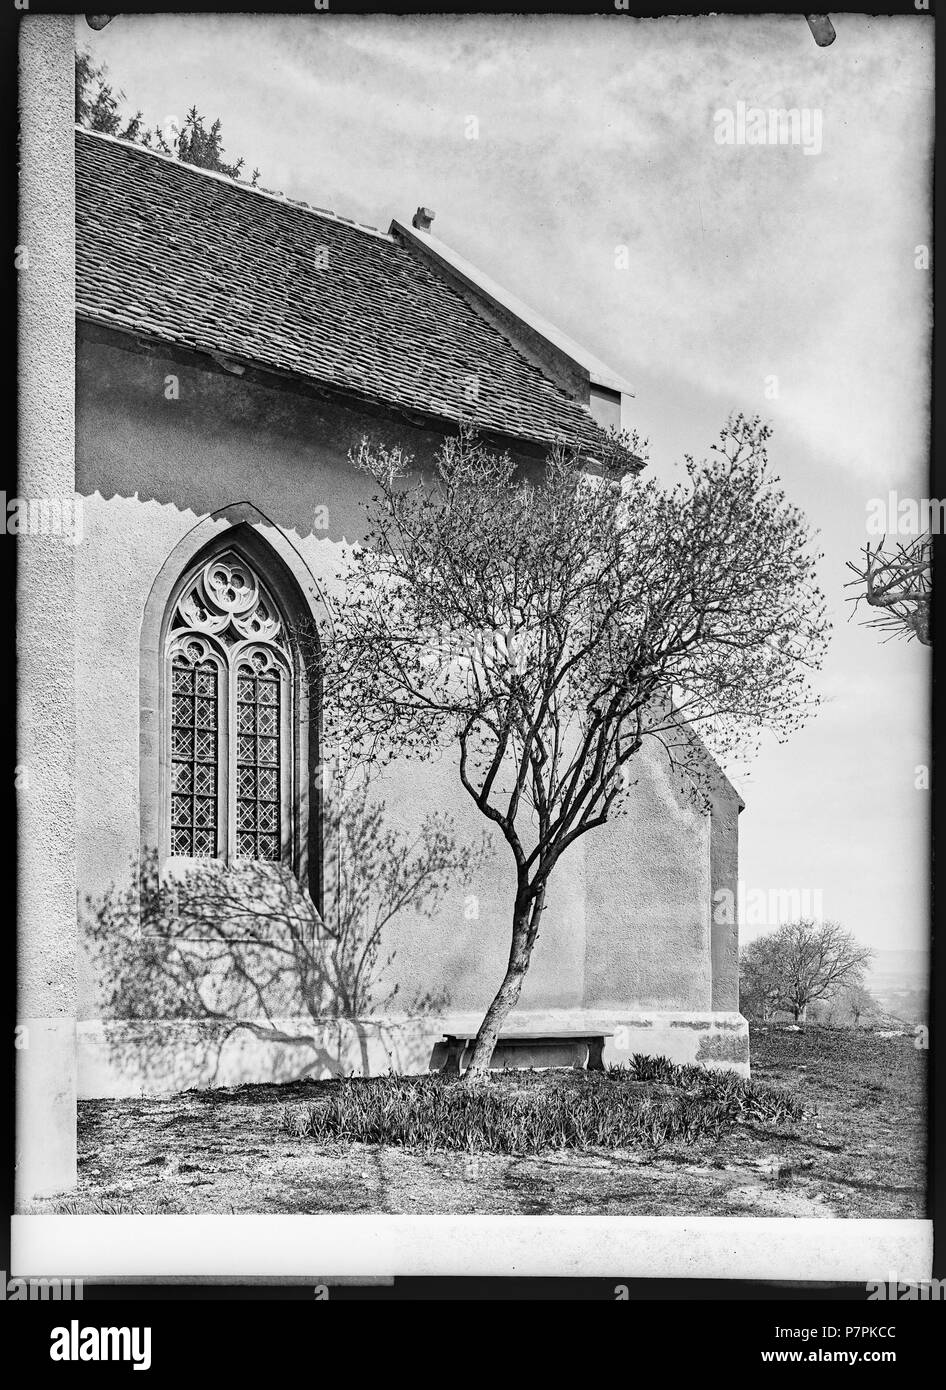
(516, 1051)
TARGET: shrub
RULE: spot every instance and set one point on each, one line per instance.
(613, 1110)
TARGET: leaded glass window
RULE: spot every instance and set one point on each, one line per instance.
(194, 757)
(257, 763)
(229, 725)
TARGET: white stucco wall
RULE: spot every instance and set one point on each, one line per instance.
(628, 917)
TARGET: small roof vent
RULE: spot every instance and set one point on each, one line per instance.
(422, 219)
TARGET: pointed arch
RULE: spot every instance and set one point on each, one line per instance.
(228, 602)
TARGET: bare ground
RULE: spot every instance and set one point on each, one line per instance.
(860, 1151)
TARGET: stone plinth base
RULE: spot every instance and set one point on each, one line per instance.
(149, 1058)
(45, 1107)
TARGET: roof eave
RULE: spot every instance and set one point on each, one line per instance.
(237, 364)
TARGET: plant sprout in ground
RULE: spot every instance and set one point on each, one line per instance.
(646, 1104)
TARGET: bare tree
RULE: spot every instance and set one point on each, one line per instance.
(758, 987)
(897, 583)
(548, 624)
(860, 1004)
(801, 962)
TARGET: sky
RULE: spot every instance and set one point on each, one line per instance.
(714, 277)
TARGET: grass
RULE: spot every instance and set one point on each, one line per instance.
(860, 1150)
(648, 1104)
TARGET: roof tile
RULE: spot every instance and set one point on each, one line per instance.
(194, 258)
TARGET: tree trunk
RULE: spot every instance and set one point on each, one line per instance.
(362, 1037)
(524, 931)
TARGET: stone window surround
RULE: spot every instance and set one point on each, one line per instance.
(265, 547)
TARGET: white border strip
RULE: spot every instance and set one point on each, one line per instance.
(313, 1247)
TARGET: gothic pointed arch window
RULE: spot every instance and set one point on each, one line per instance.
(231, 685)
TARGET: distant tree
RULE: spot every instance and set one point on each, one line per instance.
(98, 104)
(801, 962)
(98, 107)
(203, 148)
(897, 584)
(758, 990)
(548, 625)
(860, 1004)
(850, 1007)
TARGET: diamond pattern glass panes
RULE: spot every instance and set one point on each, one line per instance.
(194, 760)
(258, 830)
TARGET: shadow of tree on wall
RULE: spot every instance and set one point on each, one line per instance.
(197, 967)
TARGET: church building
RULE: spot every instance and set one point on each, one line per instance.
(231, 347)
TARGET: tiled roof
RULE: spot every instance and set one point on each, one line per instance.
(200, 260)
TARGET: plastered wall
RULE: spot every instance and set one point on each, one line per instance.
(628, 917)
